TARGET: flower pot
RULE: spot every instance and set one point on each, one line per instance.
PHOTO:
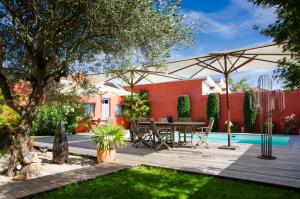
(105, 156)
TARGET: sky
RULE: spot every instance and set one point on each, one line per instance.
(227, 24)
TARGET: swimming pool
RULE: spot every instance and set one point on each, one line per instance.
(277, 140)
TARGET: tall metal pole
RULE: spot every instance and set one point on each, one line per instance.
(228, 109)
(227, 101)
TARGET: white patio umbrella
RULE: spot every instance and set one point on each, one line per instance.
(102, 89)
(260, 57)
(135, 75)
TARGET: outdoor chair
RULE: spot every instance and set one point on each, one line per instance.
(162, 137)
(203, 132)
(141, 132)
(163, 129)
(186, 131)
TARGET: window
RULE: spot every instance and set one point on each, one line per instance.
(89, 109)
(119, 110)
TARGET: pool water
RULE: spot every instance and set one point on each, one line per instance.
(277, 140)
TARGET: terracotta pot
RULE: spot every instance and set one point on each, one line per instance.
(105, 156)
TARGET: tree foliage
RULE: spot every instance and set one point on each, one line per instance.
(213, 109)
(141, 106)
(240, 86)
(286, 31)
(250, 110)
(183, 106)
(42, 41)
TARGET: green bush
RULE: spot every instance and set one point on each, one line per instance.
(183, 106)
(213, 109)
(49, 117)
(265, 127)
(141, 106)
(250, 111)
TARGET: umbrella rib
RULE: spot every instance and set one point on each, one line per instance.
(142, 76)
(232, 65)
(191, 64)
(163, 75)
(241, 65)
(221, 64)
(258, 59)
(210, 67)
(197, 72)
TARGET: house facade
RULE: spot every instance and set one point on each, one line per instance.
(163, 99)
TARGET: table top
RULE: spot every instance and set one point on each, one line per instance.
(175, 123)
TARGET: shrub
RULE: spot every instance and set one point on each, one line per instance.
(141, 106)
(213, 108)
(183, 106)
(291, 123)
(108, 137)
(265, 127)
(8, 117)
(250, 111)
(50, 116)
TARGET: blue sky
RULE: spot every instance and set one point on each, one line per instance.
(227, 24)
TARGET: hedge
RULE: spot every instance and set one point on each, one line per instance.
(184, 106)
(250, 111)
(213, 109)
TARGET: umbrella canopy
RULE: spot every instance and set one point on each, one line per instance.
(105, 89)
(135, 75)
(102, 89)
(263, 57)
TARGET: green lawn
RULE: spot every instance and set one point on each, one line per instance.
(39, 136)
(144, 182)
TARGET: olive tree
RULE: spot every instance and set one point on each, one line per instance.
(45, 40)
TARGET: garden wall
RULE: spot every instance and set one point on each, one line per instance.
(163, 101)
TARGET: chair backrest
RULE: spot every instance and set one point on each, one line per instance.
(153, 128)
(185, 119)
(210, 125)
(162, 119)
(138, 120)
(133, 126)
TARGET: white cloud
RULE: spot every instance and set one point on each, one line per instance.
(240, 17)
(212, 26)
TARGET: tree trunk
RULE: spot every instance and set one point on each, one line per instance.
(19, 150)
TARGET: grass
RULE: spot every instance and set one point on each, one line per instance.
(145, 182)
(40, 136)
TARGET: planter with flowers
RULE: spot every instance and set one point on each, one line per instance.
(234, 127)
(291, 124)
(107, 138)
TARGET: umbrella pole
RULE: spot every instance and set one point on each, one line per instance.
(228, 110)
(228, 146)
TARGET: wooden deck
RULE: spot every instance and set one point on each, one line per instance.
(241, 163)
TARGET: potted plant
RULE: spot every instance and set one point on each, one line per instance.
(107, 137)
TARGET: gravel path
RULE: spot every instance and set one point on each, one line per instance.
(48, 168)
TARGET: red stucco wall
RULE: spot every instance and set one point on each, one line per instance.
(163, 100)
(163, 97)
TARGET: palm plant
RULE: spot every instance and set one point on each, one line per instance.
(108, 137)
(137, 107)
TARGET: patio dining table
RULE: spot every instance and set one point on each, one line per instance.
(174, 125)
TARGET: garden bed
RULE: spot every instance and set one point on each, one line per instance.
(48, 167)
